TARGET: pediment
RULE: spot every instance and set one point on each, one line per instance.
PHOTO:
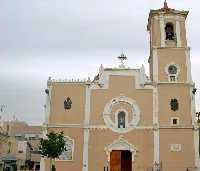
(120, 144)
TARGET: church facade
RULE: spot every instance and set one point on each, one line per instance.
(124, 120)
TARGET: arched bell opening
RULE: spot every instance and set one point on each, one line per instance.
(169, 31)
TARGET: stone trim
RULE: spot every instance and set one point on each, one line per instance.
(176, 127)
(67, 137)
(65, 126)
(162, 31)
(86, 132)
(156, 126)
(116, 116)
(155, 65)
(171, 121)
(196, 147)
(120, 144)
(178, 18)
(175, 147)
(139, 74)
(175, 75)
(135, 114)
(79, 126)
(178, 34)
(188, 64)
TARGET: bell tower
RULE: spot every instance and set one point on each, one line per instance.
(169, 54)
(173, 97)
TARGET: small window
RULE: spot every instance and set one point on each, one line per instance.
(121, 119)
(175, 147)
(172, 78)
(174, 104)
(169, 31)
(172, 69)
(174, 121)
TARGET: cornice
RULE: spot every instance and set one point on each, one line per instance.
(104, 127)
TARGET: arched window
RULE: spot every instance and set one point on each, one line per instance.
(172, 70)
(121, 119)
(169, 31)
(68, 153)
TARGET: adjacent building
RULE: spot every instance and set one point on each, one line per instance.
(20, 149)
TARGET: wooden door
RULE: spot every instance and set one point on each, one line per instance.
(120, 160)
(126, 161)
(115, 160)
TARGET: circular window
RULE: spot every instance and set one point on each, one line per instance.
(121, 124)
(172, 69)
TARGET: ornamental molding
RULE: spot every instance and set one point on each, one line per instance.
(169, 17)
(120, 144)
(196, 126)
(104, 127)
(67, 155)
(135, 113)
(175, 147)
(140, 77)
(92, 127)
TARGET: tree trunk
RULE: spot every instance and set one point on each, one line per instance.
(50, 163)
(53, 165)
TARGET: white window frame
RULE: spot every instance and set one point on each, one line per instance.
(116, 117)
(172, 75)
(67, 137)
(175, 147)
(178, 121)
(134, 113)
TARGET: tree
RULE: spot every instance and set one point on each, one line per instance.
(52, 147)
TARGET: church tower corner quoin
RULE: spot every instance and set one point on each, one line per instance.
(124, 120)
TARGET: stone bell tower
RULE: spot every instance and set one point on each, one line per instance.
(174, 102)
(169, 53)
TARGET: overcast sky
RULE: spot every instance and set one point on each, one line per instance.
(70, 39)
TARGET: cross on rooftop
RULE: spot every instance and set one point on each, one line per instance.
(122, 58)
(165, 4)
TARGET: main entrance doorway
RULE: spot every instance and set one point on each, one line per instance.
(120, 160)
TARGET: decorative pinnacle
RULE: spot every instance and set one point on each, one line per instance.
(122, 58)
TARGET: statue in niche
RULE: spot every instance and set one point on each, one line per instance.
(121, 119)
(67, 103)
(174, 104)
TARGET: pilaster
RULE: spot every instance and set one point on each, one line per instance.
(86, 130)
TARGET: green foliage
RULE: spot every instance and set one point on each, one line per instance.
(53, 146)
